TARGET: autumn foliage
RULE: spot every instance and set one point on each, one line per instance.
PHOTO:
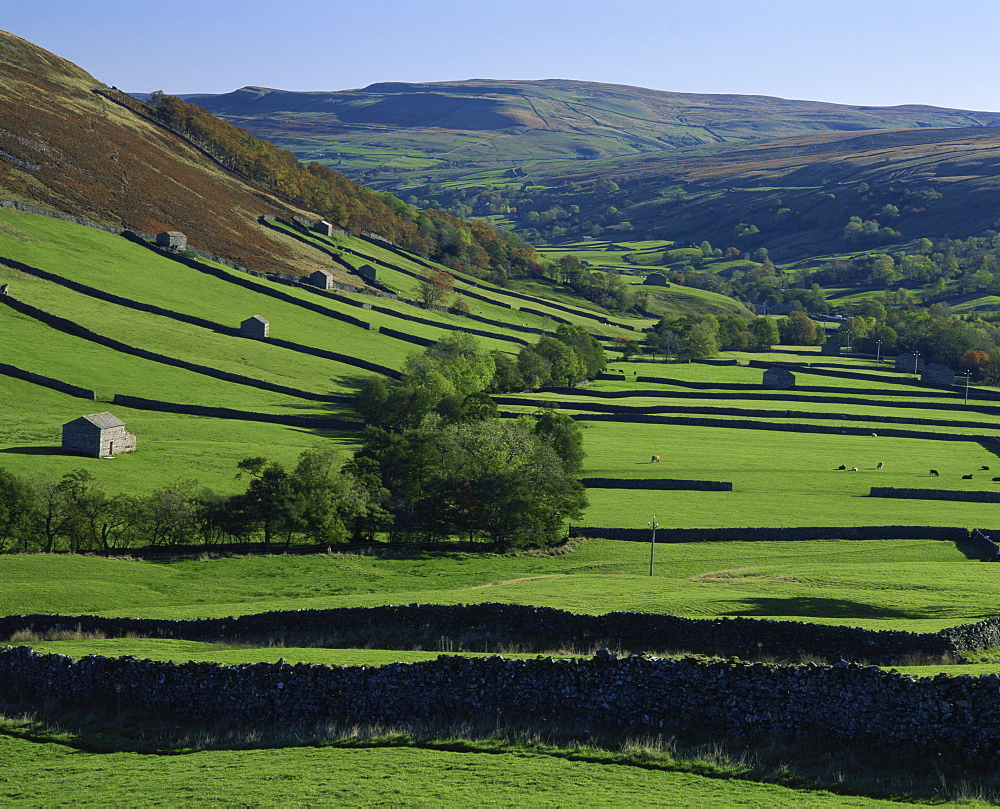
(474, 247)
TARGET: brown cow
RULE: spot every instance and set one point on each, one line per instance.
(655, 459)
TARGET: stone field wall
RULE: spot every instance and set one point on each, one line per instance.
(486, 627)
(957, 715)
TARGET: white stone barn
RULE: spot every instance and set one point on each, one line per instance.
(99, 435)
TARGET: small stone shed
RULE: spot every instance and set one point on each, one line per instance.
(937, 374)
(655, 279)
(368, 272)
(99, 435)
(323, 228)
(779, 379)
(904, 363)
(254, 327)
(322, 279)
(171, 240)
(830, 349)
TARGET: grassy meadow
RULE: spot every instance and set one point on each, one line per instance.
(781, 478)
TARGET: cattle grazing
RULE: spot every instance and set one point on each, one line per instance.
(880, 465)
(854, 469)
(935, 473)
(966, 477)
(874, 435)
(985, 468)
(655, 459)
(841, 467)
(996, 480)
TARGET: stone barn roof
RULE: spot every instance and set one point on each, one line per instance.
(103, 421)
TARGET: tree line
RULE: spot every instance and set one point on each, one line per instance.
(473, 247)
(436, 461)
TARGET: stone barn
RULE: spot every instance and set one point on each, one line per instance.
(655, 279)
(99, 435)
(322, 279)
(323, 228)
(171, 240)
(368, 272)
(937, 374)
(254, 327)
(905, 363)
(779, 378)
(830, 349)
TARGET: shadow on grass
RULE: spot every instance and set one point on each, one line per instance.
(808, 607)
(34, 450)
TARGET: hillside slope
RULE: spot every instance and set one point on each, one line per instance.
(64, 147)
(393, 132)
(800, 193)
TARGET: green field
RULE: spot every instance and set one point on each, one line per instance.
(914, 585)
(373, 772)
(784, 477)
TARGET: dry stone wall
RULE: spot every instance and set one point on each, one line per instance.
(312, 422)
(46, 381)
(71, 327)
(935, 494)
(799, 534)
(658, 484)
(953, 715)
(601, 407)
(487, 627)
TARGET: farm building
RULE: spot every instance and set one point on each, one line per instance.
(830, 349)
(779, 378)
(254, 327)
(909, 363)
(99, 435)
(656, 279)
(368, 272)
(322, 279)
(937, 374)
(323, 228)
(171, 240)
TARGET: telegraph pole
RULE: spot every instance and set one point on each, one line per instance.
(653, 524)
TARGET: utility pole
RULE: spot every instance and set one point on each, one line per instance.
(967, 374)
(878, 352)
(653, 524)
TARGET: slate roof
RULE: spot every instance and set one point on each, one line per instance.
(103, 420)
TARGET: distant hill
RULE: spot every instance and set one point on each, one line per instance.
(565, 159)
(413, 129)
(798, 194)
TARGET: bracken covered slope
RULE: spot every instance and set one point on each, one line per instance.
(67, 148)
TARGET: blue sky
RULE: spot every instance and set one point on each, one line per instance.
(867, 52)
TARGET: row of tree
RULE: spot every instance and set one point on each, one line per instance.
(963, 343)
(313, 502)
(702, 336)
(474, 247)
(452, 377)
